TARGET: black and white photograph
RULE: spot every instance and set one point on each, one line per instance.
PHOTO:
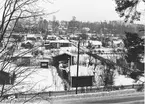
(72, 51)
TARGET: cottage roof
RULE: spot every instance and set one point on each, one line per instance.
(22, 53)
(117, 41)
(96, 42)
(64, 53)
(59, 41)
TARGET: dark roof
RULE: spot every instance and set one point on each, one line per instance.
(61, 57)
(65, 53)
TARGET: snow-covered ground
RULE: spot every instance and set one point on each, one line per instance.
(124, 80)
(39, 80)
(34, 79)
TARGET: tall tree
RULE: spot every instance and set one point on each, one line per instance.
(42, 25)
(134, 54)
(133, 43)
(128, 9)
(18, 27)
(55, 25)
(73, 25)
(135, 47)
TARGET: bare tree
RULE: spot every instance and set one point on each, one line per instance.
(13, 11)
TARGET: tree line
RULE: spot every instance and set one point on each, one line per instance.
(40, 25)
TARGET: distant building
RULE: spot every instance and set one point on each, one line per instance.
(95, 43)
(56, 44)
(118, 43)
(51, 37)
(22, 59)
(31, 37)
(65, 57)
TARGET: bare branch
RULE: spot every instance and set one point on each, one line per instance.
(13, 11)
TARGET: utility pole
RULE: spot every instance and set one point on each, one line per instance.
(78, 65)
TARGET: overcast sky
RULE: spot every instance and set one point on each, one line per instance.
(84, 10)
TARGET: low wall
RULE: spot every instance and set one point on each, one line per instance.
(90, 91)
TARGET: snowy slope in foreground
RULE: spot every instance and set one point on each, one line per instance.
(38, 80)
(123, 80)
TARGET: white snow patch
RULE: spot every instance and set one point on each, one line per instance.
(41, 80)
(36, 80)
(123, 80)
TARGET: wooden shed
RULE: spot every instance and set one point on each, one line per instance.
(65, 57)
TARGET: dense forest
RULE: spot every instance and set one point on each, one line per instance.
(106, 27)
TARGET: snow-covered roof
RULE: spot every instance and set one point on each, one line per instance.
(26, 41)
(66, 52)
(31, 35)
(72, 48)
(117, 41)
(104, 49)
(73, 35)
(59, 41)
(96, 42)
(83, 71)
(26, 55)
(22, 53)
(89, 34)
(51, 36)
